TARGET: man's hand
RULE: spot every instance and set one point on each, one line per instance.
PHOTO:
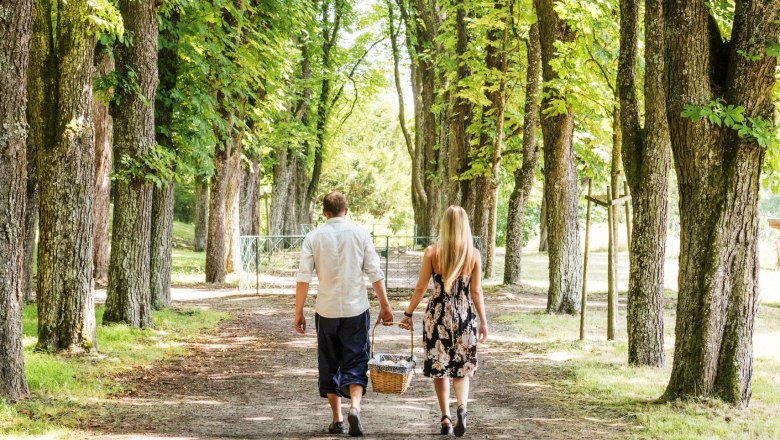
(300, 323)
(482, 332)
(385, 315)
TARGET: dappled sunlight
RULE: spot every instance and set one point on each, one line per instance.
(531, 385)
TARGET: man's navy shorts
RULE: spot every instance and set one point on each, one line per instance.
(343, 350)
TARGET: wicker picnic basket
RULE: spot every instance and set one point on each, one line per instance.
(391, 379)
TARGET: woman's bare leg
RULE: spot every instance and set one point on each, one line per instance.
(442, 387)
(461, 386)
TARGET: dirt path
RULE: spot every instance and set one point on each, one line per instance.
(253, 378)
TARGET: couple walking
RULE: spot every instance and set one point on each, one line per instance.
(341, 254)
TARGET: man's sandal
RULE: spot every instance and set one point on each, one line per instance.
(446, 429)
(337, 428)
(460, 427)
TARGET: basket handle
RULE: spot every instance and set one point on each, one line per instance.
(373, 333)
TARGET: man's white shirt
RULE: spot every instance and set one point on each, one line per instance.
(341, 253)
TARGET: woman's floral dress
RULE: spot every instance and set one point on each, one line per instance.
(450, 334)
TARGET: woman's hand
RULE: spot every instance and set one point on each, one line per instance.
(406, 323)
(483, 332)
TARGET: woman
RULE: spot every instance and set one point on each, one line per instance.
(450, 322)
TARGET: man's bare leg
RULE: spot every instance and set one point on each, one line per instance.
(335, 406)
(355, 395)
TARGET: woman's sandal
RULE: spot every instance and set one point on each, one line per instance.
(460, 427)
(446, 429)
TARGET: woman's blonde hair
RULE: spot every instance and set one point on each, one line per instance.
(456, 246)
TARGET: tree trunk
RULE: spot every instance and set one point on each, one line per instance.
(719, 174)
(543, 236)
(282, 216)
(215, 245)
(646, 160)
(30, 221)
(233, 210)
(201, 213)
(560, 178)
(496, 60)
(422, 25)
(102, 123)
(250, 199)
(66, 308)
(161, 234)
(16, 31)
(161, 245)
(129, 297)
(613, 216)
(460, 117)
(41, 115)
(524, 177)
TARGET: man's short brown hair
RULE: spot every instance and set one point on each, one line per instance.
(334, 203)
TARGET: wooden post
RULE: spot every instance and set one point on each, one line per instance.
(611, 270)
(628, 216)
(585, 264)
(778, 253)
(774, 223)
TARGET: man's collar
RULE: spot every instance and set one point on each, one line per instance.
(336, 220)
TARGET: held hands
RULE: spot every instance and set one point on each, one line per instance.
(406, 323)
(300, 323)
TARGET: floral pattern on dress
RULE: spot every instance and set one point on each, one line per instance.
(450, 331)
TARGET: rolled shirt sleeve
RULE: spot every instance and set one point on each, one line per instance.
(306, 268)
(371, 263)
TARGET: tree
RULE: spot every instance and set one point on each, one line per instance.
(201, 213)
(128, 298)
(646, 160)
(161, 244)
(560, 177)
(103, 128)
(66, 171)
(720, 110)
(15, 35)
(422, 20)
(524, 176)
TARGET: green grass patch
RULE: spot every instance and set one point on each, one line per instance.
(62, 386)
(597, 375)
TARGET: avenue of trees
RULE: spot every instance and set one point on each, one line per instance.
(123, 103)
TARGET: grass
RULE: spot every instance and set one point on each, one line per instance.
(62, 386)
(188, 268)
(596, 371)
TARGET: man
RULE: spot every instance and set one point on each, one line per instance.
(341, 253)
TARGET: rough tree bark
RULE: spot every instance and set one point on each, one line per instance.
(422, 21)
(543, 236)
(129, 299)
(560, 178)
(66, 167)
(460, 117)
(217, 232)
(485, 210)
(250, 198)
(161, 245)
(201, 213)
(161, 234)
(233, 211)
(646, 160)
(15, 35)
(102, 123)
(524, 176)
(718, 173)
(41, 115)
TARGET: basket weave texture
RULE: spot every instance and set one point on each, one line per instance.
(391, 379)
